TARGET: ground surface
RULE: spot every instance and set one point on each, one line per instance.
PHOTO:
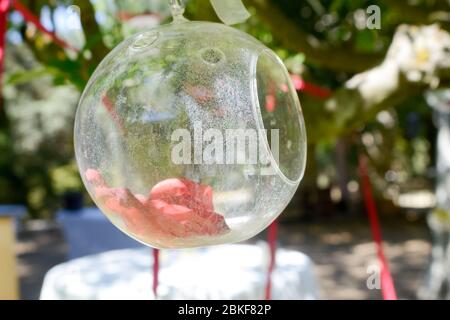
(341, 251)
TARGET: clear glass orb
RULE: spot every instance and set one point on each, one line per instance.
(190, 134)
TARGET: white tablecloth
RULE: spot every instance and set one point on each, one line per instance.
(220, 272)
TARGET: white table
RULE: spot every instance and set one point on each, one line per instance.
(220, 272)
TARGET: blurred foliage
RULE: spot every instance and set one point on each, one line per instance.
(325, 41)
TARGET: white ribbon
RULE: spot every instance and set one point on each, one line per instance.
(230, 11)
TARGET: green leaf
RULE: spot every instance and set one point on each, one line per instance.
(30, 75)
(365, 41)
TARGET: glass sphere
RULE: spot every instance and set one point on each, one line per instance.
(190, 134)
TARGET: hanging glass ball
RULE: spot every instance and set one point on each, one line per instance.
(190, 134)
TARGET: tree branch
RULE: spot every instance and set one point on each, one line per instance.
(50, 54)
(320, 54)
(92, 31)
(418, 58)
(438, 12)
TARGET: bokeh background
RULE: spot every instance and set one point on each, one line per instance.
(369, 86)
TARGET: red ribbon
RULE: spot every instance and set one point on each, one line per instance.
(111, 109)
(272, 240)
(4, 6)
(30, 17)
(299, 85)
(312, 89)
(155, 272)
(387, 284)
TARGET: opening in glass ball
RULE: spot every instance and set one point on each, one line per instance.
(212, 55)
(190, 134)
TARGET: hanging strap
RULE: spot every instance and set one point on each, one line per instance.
(155, 272)
(233, 12)
(309, 88)
(387, 284)
(272, 240)
(4, 6)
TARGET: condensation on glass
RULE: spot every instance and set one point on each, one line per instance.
(167, 129)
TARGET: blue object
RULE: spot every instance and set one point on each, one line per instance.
(73, 200)
(88, 231)
(15, 211)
